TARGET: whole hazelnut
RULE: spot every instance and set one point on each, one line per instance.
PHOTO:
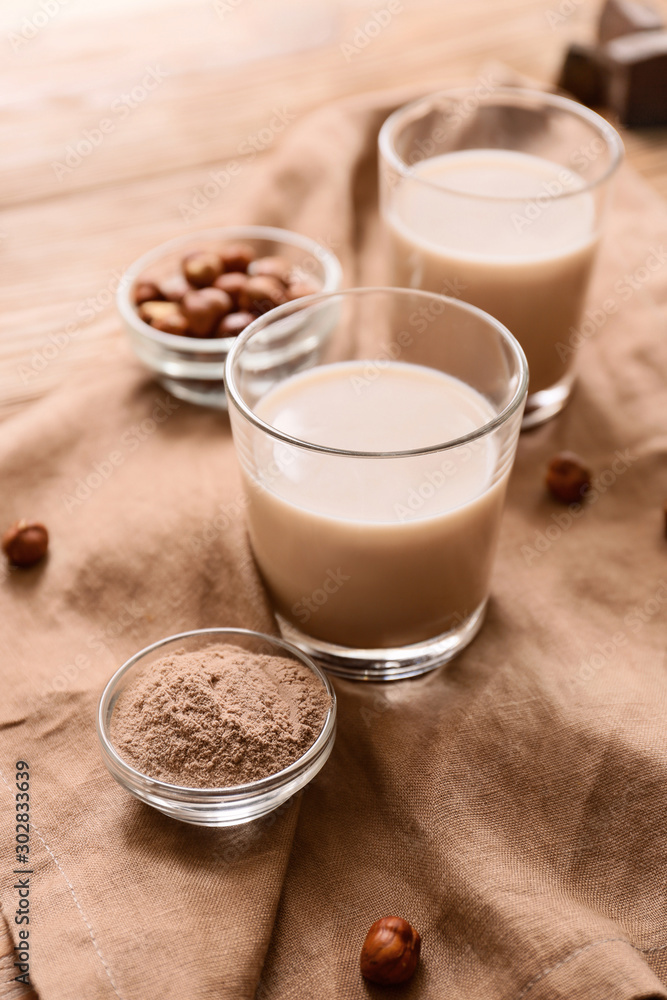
(25, 543)
(231, 282)
(203, 310)
(202, 267)
(391, 951)
(236, 256)
(174, 288)
(271, 267)
(261, 294)
(567, 477)
(145, 291)
(233, 324)
(176, 324)
(297, 289)
(151, 312)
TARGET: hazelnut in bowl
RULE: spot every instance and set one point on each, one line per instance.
(184, 302)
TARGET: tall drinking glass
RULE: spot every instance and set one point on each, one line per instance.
(497, 196)
(376, 430)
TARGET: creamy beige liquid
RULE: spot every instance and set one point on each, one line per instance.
(525, 262)
(375, 552)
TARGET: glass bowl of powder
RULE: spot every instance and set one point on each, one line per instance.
(218, 726)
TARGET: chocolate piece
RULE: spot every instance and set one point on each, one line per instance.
(584, 75)
(625, 17)
(637, 87)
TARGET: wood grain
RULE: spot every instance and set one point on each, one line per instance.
(157, 96)
(183, 87)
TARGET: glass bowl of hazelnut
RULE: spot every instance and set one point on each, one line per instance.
(184, 302)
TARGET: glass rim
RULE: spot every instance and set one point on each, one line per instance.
(274, 315)
(608, 133)
(232, 792)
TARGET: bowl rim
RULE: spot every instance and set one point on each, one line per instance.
(333, 274)
(269, 783)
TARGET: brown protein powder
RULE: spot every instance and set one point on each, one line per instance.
(218, 717)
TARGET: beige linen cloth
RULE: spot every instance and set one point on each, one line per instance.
(513, 806)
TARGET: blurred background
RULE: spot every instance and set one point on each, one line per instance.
(113, 113)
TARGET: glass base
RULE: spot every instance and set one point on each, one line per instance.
(198, 391)
(545, 404)
(392, 664)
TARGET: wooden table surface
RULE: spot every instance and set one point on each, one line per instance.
(183, 85)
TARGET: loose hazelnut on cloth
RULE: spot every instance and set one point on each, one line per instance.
(567, 477)
(25, 543)
(391, 951)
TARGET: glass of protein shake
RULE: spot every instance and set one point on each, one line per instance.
(376, 431)
(497, 195)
